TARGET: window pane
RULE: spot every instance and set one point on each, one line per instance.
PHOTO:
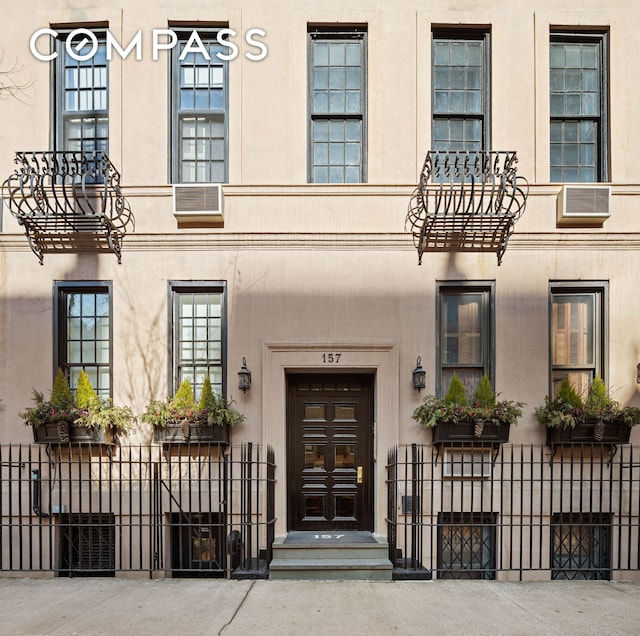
(335, 89)
(470, 379)
(321, 78)
(575, 339)
(572, 331)
(314, 456)
(464, 338)
(198, 320)
(321, 154)
(85, 330)
(199, 103)
(83, 89)
(462, 335)
(459, 81)
(576, 81)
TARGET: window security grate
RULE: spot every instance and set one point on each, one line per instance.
(87, 544)
(467, 546)
(580, 544)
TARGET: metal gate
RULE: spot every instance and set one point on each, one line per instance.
(480, 512)
(185, 510)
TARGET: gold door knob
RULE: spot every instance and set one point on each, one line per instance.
(359, 474)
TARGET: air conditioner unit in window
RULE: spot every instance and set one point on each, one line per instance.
(584, 204)
(198, 204)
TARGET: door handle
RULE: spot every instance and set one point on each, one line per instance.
(359, 478)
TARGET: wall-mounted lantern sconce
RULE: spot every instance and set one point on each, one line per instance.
(244, 377)
(418, 376)
(638, 373)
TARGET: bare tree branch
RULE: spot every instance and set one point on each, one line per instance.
(11, 84)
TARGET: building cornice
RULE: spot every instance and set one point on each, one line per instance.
(344, 190)
(367, 241)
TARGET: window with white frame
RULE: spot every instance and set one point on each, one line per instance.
(465, 334)
(83, 333)
(81, 109)
(198, 334)
(578, 67)
(199, 103)
(337, 105)
(577, 334)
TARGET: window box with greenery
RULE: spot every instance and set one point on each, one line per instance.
(453, 421)
(598, 420)
(85, 418)
(183, 420)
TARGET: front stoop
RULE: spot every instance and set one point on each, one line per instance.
(352, 556)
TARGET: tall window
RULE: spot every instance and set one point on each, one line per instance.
(467, 545)
(337, 105)
(578, 107)
(199, 334)
(199, 110)
(577, 334)
(466, 334)
(83, 330)
(81, 109)
(460, 90)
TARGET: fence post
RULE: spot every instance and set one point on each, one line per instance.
(392, 508)
(271, 502)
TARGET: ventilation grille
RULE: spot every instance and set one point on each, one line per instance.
(87, 544)
(198, 204)
(411, 504)
(584, 205)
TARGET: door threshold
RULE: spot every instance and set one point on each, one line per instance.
(319, 537)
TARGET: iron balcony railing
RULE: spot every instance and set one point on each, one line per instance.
(182, 509)
(466, 201)
(68, 199)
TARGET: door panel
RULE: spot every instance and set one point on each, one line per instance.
(330, 433)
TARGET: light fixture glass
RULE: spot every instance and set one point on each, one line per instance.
(244, 377)
(419, 375)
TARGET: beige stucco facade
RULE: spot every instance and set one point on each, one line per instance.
(313, 269)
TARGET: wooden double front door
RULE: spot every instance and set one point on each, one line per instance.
(330, 452)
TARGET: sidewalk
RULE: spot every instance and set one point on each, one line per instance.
(241, 608)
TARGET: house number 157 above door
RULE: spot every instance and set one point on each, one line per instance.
(331, 358)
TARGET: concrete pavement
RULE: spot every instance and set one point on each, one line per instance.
(240, 608)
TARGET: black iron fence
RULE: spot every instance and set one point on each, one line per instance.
(476, 511)
(187, 510)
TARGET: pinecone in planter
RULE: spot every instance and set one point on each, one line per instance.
(186, 430)
(598, 431)
(478, 428)
(63, 431)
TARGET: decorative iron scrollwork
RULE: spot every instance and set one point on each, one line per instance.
(466, 201)
(59, 196)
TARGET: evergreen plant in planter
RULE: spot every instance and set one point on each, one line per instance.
(598, 420)
(453, 421)
(182, 419)
(63, 419)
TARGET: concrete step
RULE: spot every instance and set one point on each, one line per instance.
(331, 569)
(350, 551)
(344, 556)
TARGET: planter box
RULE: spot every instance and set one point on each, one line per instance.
(462, 433)
(172, 434)
(614, 433)
(47, 433)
